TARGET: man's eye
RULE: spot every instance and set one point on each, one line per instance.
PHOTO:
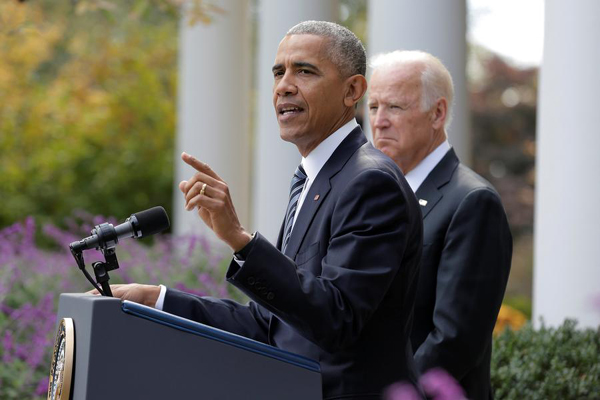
(304, 71)
(277, 74)
(372, 108)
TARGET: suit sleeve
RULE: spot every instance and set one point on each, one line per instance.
(246, 320)
(472, 275)
(369, 230)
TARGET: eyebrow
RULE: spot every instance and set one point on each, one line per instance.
(296, 64)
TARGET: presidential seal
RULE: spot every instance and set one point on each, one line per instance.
(61, 369)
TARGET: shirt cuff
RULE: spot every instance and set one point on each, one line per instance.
(241, 255)
(161, 298)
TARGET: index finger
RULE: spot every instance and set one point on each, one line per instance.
(199, 166)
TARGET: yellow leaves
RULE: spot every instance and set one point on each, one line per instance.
(90, 109)
(202, 11)
(12, 16)
(84, 6)
(26, 41)
(509, 317)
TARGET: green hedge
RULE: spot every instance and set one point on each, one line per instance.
(548, 363)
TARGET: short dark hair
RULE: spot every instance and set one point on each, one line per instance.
(346, 50)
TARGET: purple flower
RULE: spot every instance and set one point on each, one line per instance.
(440, 385)
(401, 391)
(42, 387)
(437, 384)
(7, 346)
(31, 279)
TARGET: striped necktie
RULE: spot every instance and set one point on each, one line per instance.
(296, 187)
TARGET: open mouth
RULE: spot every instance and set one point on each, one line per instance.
(290, 110)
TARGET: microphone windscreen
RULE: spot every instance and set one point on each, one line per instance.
(152, 220)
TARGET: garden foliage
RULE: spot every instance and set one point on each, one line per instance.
(87, 108)
(548, 363)
(32, 278)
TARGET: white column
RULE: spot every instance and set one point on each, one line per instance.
(213, 109)
(567, 214)
(275, 160)
(437, 27)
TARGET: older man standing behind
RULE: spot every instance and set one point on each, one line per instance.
(467, 244)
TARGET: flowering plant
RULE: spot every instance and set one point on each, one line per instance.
(32, 277)
(437, 385)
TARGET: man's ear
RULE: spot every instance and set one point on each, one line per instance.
(439, 113)
(356, 86)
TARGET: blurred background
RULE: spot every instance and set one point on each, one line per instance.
(88, 108)
(99, 97)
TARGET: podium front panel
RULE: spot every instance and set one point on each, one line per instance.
(127, 351)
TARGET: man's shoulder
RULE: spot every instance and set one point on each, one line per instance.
(462, 188)
(368, 159)
(465, 181)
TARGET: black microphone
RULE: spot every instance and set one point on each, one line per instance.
(141, 224)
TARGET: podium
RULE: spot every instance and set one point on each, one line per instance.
(123, 350)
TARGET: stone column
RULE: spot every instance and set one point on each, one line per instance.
(567, 214)
(213, 109)
(275, 160)
(437, 27)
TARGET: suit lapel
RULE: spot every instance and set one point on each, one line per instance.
(429, 193)
(321, 188)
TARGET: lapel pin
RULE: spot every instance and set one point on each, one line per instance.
(423, 202)
(316, 197)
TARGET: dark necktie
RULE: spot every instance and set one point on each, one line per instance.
(296, 187)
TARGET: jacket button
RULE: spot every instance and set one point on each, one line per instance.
(270, 296)
(250, 280)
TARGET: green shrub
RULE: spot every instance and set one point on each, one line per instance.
(549, 363)
(87, 110)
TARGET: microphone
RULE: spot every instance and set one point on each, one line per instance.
(141, 224)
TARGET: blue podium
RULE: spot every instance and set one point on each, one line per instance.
(123, 350)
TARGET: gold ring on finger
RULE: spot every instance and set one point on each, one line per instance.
(203, 189)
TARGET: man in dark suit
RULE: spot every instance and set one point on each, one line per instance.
(467, 244)
(339, 285)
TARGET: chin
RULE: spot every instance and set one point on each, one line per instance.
(287, 136)
(390, 153)
(291, 134)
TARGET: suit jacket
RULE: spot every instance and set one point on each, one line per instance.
(467, 249)
(343, 292)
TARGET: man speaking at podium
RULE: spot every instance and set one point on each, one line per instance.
(339, 286)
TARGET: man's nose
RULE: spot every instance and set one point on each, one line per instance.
(286, 85)
(380, 120)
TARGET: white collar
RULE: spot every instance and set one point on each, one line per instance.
(315, 160)
(416, 176)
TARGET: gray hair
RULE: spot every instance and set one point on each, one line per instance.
(345, 49)
(436, 81)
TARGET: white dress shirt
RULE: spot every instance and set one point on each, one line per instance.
(312, 163)
(418, 175)
(317, 158)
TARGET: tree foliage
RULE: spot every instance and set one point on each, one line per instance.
(87, 108)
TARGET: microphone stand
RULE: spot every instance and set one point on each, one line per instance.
(100, 269)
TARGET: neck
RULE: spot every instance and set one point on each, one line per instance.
(306, 148)
(410, 164)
